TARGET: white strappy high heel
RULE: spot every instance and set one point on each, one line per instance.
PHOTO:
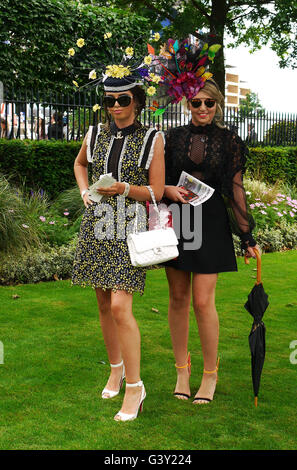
(112, 393)
(129, 417)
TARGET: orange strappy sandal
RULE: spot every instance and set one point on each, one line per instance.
(188, 365)
(207, 400)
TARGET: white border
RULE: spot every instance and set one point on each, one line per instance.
(151, 154)
(146, 137)
(115, 88)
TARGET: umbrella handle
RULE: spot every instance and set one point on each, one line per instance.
(246, 260)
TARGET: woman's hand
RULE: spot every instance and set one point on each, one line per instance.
(87, 201)
(175, 193)
(250, 253)
(115, 188)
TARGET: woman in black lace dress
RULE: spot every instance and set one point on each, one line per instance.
(209, 151)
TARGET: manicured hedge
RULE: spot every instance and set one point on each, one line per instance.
(48, 165)
(272, 164)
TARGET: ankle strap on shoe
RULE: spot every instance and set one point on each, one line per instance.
(117, 365)
(137, 384)
(212, 371)
(188, 364)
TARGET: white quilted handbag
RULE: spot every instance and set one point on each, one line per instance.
(152, 247)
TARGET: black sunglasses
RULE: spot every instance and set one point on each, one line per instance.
(209, 103)
(122, 100)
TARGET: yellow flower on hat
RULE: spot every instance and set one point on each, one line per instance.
(147, 60)
(93, 75)
(123, 71)
(151, 90)
(80, 42)
(107, 35)
(129, 51)
(75, 83)
(96, 107)
(154, 78)
(117, 71)
(156, 37)
(71, 51)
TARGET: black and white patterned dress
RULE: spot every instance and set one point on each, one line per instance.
(102, 258)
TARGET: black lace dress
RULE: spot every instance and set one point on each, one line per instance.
(217, 157)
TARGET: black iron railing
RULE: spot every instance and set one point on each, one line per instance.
(36, 115)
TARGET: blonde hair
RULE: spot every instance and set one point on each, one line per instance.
(212, 89)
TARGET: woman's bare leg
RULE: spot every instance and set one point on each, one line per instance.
(129, 339)
(204, 286)
(110, 336)
(178, 316)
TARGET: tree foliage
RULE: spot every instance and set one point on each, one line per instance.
(251, 105)
(35, 37)
(232, 22)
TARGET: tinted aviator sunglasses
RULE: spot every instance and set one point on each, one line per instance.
(122, 100)
(209, 103)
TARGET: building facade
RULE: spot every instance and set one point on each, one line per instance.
(235, 89)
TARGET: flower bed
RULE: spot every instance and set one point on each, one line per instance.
(56, 225)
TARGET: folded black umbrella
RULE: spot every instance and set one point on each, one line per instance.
(256, 305)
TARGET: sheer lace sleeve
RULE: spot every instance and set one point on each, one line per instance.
(243, 222)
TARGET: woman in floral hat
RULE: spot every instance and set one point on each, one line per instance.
(210, 152)
(134, 155)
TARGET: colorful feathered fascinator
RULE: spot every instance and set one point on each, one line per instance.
(183, 71)
(115, 75)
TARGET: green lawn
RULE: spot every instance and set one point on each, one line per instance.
(55, 366)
